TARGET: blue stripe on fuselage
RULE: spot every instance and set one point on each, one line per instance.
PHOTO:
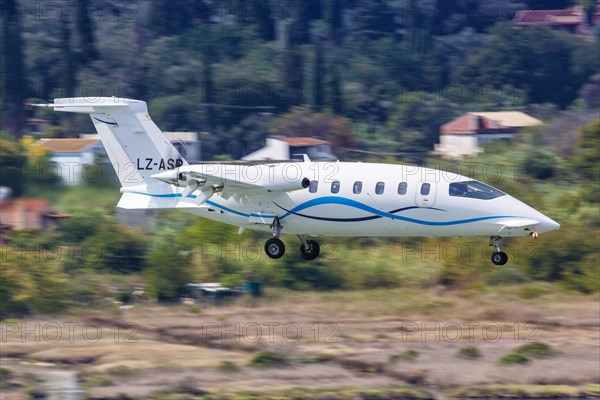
(341, 201)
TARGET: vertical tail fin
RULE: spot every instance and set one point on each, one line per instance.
(135, 145)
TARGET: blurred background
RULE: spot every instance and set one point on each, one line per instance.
(507, 92)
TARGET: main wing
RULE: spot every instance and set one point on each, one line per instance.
(202, 181)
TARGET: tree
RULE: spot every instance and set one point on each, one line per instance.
(300, 122)
(333, 91)
(168, 19)
(12, 75)
(585, 159)
(318, 77)
(265, 23)
(332, 14)
(85, 27)
(548, 65)
(548, 4)
(114, 248)
(415, 123)
(374, 19)
(67, 61)
(167, 272)
(292, 74)
(29, 286)
(301, 13)
(12, 165)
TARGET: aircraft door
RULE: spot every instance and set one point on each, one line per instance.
(426, 194)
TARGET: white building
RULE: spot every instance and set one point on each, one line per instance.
(466, 135)
(293, 148)
(70, 156)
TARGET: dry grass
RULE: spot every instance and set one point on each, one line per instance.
(346, 340)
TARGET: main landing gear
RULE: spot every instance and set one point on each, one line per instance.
(274, 247)
(498, 257)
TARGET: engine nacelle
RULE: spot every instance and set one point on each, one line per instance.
(285, 185)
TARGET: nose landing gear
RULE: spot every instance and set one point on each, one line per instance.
(498, 257)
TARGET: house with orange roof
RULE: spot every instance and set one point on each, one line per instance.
(572, 20)
(467, 134)
(24, 213)
(70, 156)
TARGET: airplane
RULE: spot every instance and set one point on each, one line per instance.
(304, 198)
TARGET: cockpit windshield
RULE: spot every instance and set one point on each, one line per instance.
(474, 190)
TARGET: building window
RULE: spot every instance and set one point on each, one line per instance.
(425, 188)
(335, 187)
(402, 187)
(379, 188)
(314, 185)
(357, 187)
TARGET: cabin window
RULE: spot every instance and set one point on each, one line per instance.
(314, 185)
(335, 187)
(357, 187)
(402, 188)
(474, 190)
(425, 188)
(379, 188)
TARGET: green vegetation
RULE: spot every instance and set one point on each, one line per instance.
(267, 359)
(469, 352)
(6, 377)
(513, 358)
(96, 380)
(305, 393)
(535, 350)
(228, 366)
(409, 355)
(526, 392)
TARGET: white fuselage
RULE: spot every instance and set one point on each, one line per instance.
(379, 209)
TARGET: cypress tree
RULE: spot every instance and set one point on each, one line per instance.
(332, 14)
(318, 73)
(333, 94)
(265, 22)
(293, 74)
(85, 27)
(13, 75)
(67, 63)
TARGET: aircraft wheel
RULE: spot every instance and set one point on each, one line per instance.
(499, 258)
(274, 248)
(312, 252)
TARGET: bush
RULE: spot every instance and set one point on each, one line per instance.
(513, 358)
(541, 163)
(167, 273)
(506, 276)
(97, 380)
(468, 353)
(266, 359)
(536, 350)
(407, 355)
(195, 309)
(5, 377)
(228, 366)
